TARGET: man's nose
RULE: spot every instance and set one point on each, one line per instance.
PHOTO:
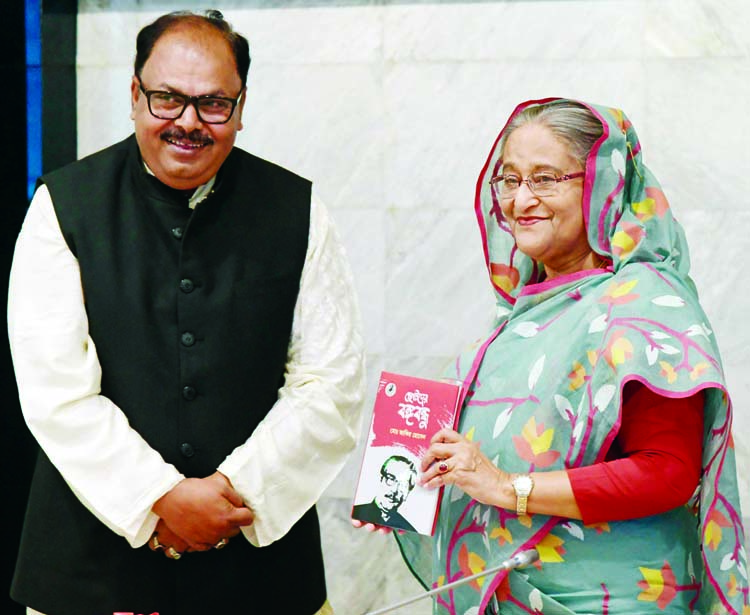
(189, 120)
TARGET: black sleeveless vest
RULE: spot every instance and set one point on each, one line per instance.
(191, 313)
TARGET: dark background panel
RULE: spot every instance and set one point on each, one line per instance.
(59, 134)
(17, 449)
(40, 136)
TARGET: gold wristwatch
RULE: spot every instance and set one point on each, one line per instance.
(522, 485)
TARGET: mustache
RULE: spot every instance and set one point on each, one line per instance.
(195, 136)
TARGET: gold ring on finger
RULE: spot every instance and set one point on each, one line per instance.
(155, 544)
(173, 553)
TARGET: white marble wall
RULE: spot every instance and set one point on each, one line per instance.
(391, 109)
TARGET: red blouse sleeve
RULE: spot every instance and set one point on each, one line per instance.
(654, 464)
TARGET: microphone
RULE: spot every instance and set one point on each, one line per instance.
(519, 560)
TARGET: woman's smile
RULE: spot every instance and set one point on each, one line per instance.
(529, 220)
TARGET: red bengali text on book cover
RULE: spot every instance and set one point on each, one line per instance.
(407, 412)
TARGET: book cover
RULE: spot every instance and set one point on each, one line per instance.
(407, 412)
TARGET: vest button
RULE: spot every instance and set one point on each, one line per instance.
(189, 393)
(187, 339)
(187, 285)
(177, 232)
(187, 449)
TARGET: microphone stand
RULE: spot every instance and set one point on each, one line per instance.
(518, 561)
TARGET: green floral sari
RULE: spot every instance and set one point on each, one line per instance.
(544, 392)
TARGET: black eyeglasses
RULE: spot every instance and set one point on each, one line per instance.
(170, 105)
(541, 184)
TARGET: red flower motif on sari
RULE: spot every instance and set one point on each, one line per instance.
(668, 371)
(626, 240)
(502, 534)
(655, 204)
(619, 349)
(551, 549)
(577, 376)
(534, 443)
(712, 535)
(600, 527)
(658, 585)
(470, 563)
(617, 294)
(698, 369)
(622, 122)
(504, 276)
(732, 586)
(503, 590)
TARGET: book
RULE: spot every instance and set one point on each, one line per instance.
(407, 413)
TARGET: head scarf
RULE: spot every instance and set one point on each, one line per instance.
(544, 390)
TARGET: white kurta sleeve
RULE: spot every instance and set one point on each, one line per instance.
(107, 464)
(305, 439)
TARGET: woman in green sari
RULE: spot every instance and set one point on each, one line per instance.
(596, 425)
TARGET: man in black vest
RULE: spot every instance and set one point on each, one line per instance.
(186, 342)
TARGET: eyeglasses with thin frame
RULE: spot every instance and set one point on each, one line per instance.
(541, 184)
(171, 105)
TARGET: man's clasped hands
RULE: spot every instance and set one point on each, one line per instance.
(198, 514)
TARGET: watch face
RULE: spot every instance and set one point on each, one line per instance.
(522, 485)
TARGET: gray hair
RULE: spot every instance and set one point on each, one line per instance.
(570, 122)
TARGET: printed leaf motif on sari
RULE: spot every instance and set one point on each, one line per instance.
(669, 301)
(598, 324)
(603, 396)
(564, 408)
(526, 329)
(536, 371)
(729, 562)
(574, 529)
(535, 601)
(700, 329)
(502, 421)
